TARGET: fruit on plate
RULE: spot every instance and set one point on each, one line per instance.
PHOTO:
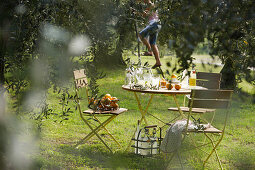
(177, 86)
(114, 99)
(114, 105)
(169, 86)
(173, 76)
(95, 102)
(172, 86)
(91, 100)
(108, 96)
(105, 103)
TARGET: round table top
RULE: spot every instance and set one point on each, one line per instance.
(160, 91)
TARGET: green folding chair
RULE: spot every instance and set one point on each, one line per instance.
(206, 99)
(80, 81)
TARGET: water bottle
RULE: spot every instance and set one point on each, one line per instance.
(137, 137)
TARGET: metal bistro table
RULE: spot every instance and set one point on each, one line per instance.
(172, 93)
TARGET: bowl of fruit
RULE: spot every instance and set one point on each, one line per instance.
(106, 103)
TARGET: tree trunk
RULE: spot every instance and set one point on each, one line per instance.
(119, 48)
(118, 53)
(102, 56)
(1, 69)
(228, 75)
(6, 14)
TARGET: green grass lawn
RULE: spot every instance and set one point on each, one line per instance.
(57, 151)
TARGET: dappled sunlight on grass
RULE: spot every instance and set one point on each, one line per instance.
(58, 139)
(91, 156)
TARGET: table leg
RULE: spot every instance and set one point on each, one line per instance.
(143, 113)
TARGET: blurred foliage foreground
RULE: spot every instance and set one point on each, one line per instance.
(43, 41)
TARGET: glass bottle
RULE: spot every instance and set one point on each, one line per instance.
(128, 79)
(193, 78)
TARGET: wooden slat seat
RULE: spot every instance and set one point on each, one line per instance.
(114, 112)
(210, 129)
(194, 110)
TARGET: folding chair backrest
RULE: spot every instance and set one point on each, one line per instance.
(80, 78)
(209, 80)
(80, 81)
(214, 99)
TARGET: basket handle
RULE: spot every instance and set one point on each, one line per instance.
(151, 126)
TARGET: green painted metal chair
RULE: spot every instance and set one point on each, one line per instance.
(206, 99)
(80, 81)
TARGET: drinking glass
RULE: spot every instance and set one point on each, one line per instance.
(155, 82)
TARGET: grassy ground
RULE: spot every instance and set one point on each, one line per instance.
(57, 151)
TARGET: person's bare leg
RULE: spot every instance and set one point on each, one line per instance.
(146, 43)
(156, 54)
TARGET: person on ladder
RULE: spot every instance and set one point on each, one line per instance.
(150, 33)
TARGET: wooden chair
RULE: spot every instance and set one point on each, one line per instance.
(208, 99)
(206, 80)
(209, 80)
(80, 81)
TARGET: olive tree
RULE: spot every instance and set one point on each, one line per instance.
(228, 25)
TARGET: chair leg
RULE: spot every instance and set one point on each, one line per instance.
(108, 132)
(94, 131)
(97, 129)
(208, 121)
(216, 153)
(213, 150)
